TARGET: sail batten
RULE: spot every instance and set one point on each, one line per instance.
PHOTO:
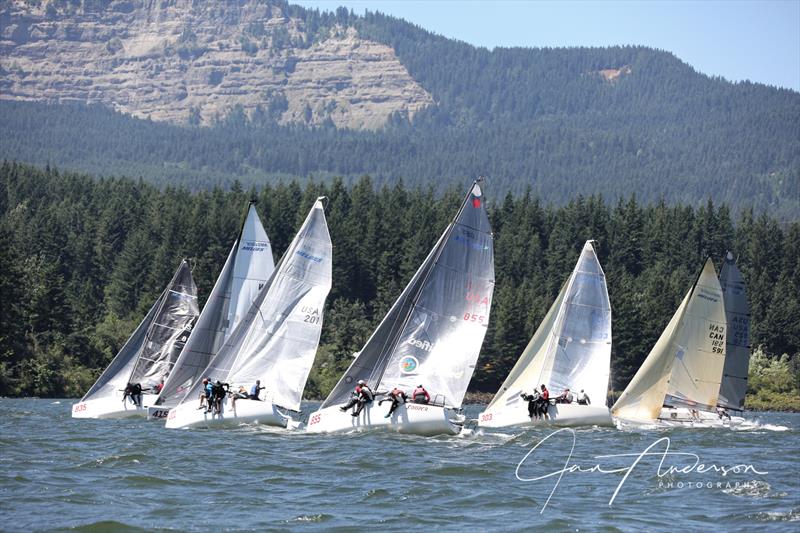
(433, 332)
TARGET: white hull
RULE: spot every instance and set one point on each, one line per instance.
(187, 415)
(560, 414)
(157, 412)
(683, 417)
(417, 419)
(112, 407)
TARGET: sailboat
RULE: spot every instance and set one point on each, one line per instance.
(571, 349)
(431, 335)
(148, 356)
(737, 359)
(247, 268)
(680, 378)
(275, 342)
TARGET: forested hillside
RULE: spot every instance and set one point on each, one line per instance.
(82, 259)
(557, 122)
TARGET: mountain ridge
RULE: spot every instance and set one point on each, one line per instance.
(545, 119)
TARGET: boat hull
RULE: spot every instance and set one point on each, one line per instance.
(683, 417)
(411, 418)
(187, 415)
(560, 414)
(112, 407)
(157, 412)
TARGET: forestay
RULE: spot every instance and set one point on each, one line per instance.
(247, 267)
(737, 358)
(278, 337)
(149, 354)
(433, 333)
(572, 346)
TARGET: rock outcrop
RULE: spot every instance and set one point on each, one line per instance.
(197, 61)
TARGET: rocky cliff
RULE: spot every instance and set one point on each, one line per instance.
(194, 61)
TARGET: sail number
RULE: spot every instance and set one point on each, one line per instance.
(312, 315)
(78, 407)
(486, 417)
(315, 418)
(472, 317)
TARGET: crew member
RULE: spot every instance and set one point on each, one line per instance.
(564, 397)
(420, 395)
(362, 395)
(255, 390)
(533, 403)
(583, 398)
(396, 396)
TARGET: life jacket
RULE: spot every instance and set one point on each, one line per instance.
(420, 394)
(545, 394)
(366, 393)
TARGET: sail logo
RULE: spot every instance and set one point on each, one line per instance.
(306, 255)
(422, 345)
(255, 246)
(408, 364)
(470, 240)
(708, 295)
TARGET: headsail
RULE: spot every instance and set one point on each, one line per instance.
(248, 265)
(572, 346)
(278, 337)
(148, 355)
(737, 359)
(433, 333)
(685, 365)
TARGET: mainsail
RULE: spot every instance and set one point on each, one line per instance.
(433, 333)
(247, 268)
(278, 337)
(685, 365)
(572, 346)
(737, 359)
(149, 354)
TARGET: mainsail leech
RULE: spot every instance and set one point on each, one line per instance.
(737, 359)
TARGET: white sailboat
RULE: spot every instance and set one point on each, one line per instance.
(432, 335)
(148, 356)
(679, 381)
(275, 342)
(570, 349)
(247, 268)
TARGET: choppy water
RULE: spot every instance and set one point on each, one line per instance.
(57, 473)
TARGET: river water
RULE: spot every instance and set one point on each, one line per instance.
(59, 474)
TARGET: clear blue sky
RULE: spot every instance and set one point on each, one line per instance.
(739, 40)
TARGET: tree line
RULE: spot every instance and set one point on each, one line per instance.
(82, 259)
